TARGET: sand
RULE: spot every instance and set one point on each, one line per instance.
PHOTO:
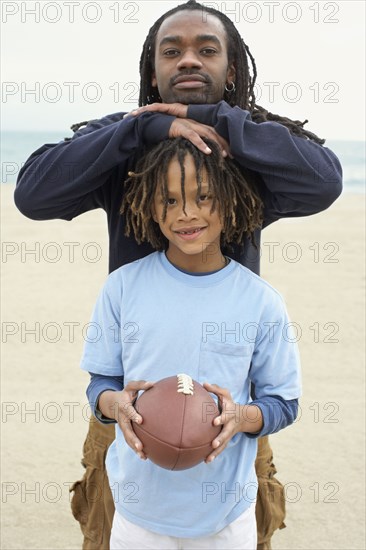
(51, 274)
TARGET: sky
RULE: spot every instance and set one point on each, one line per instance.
(69, 61)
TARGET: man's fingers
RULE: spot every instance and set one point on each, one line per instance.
(210, 133)
(174, 109)
(144, 109)
(189, 129)
(195, 138)
(194, 132)
(225, 148)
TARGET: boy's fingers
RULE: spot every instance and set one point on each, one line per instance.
(218, 421)
(137, 385)
(132, 440)
(211, 457)
(219, 443)
(217, 390)
(127, 413)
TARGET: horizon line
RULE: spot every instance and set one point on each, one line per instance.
(63, 130)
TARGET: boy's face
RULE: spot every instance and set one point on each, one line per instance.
(191, 59)
(193, 234)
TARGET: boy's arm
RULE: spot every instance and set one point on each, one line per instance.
(97, 385)
(118, 405)
(256, 419)
(277, 414)
(275, 373)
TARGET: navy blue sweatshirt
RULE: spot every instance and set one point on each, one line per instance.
(295, 176)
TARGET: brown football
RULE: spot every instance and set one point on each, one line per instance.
(177, 429)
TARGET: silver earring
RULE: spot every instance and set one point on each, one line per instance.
(232, 89)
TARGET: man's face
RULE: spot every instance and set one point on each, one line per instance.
(191, 59)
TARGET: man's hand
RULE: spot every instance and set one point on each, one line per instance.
(234, 418)
(175, 109)
(119, 406)
(195, 131)
(189, 129)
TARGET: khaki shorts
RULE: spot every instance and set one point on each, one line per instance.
(92, 503)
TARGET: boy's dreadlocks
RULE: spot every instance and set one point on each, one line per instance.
(238, 52)
(239, 205)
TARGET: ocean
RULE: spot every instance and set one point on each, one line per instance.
(17, 146)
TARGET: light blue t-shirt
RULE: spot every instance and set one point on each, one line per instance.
(230, 328)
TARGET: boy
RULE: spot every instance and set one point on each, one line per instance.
(188, 308)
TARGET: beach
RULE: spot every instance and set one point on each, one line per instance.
(51, 275)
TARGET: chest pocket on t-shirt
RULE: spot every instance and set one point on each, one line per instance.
(226, 365)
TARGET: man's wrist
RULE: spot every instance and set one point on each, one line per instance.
(205, 114)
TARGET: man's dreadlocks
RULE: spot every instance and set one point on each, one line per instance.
(239, 54)
(238, 204)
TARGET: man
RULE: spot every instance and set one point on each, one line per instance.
(196, 83)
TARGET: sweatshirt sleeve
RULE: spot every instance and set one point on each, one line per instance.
(299, 176)
(65, 179)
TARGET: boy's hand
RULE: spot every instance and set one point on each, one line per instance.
(234, 418)
(119, 405)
